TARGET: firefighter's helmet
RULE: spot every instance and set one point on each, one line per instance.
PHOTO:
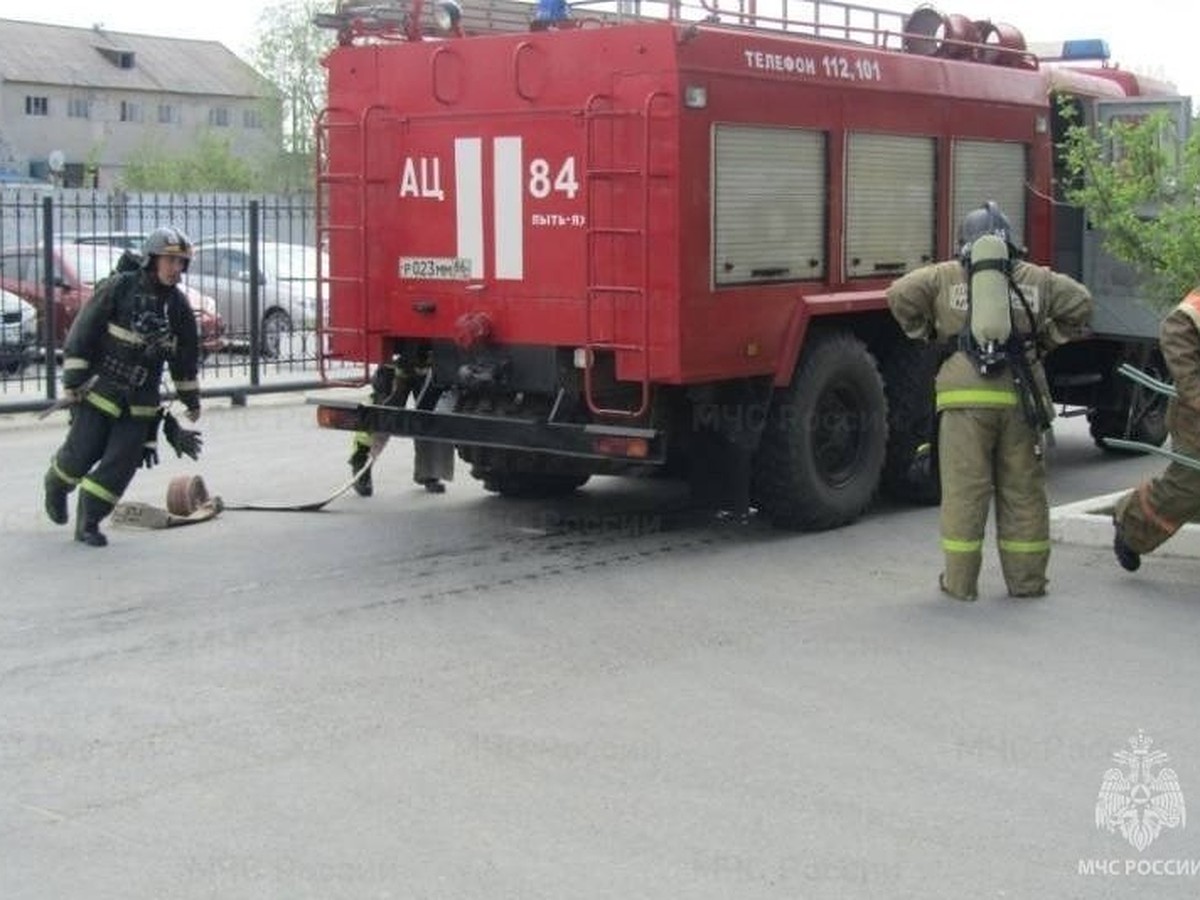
(167, 242)
(986, 219)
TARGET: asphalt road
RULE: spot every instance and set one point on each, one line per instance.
(460, 696)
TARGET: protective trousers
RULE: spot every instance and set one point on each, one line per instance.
(112, 444)
(389, 385)
(432, 460)
(1156, 509)
(985, 453)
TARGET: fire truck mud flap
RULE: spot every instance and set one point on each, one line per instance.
(642, 446)
(823, 449)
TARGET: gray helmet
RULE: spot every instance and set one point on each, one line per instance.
(987, 219)
(166, 242)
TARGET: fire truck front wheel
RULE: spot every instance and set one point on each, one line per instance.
(1136, 413)
(822, 451)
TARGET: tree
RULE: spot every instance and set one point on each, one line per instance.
(209, 165)
(1140, 186)
(289, 53)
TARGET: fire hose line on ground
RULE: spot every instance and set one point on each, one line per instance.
(189, 502)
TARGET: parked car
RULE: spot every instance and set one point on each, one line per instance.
(77, 268)
(18, 332)
(287, 281)
(126, 240)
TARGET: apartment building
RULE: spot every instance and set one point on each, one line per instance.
(76, 103)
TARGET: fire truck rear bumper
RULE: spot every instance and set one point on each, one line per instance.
(641, 445)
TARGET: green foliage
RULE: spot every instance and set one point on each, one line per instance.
(209, 165)
(1141, 187)
(289, 53)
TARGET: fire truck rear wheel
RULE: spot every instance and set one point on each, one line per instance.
(823, 447)
(532, 484)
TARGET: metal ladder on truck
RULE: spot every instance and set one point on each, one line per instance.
(604, 171)
(350, 189)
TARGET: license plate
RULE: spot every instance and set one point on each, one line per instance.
(439, 268)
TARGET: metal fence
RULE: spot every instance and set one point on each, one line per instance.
(252, 282)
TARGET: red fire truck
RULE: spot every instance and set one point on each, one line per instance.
(626, 244)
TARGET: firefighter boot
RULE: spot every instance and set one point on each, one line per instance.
(966, 596)
(56, 498)
(1129, 559)
(363, 485)
(433, 486)
(87, 520)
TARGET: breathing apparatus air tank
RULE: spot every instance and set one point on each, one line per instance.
(990, 313)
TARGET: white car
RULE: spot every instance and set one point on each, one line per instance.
(287, 286)
(18, 332)
(126, 240)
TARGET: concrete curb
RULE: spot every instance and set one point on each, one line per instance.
(1088, 523)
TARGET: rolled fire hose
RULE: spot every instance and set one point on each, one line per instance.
(188, 502)
(186, 494)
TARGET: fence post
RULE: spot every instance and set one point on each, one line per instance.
(255, 299)
(50, 292)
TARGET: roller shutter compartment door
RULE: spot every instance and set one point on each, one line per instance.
(890, 204)
(769, 190)
(990, 170)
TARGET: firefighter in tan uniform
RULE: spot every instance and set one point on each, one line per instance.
(992, 397)
(1147, 516)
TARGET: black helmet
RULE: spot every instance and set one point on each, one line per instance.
(166, 242)
(987, 219)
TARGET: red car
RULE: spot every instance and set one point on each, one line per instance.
(77, 268)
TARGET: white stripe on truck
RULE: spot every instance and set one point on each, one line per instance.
(510, 191)
(468, 198)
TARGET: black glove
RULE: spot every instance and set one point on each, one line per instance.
(191, 399)
(74, 379)
(149, 456)
(185, 441)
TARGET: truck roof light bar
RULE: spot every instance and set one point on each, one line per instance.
(1085, 48)
(550, 11)
(1071, 51)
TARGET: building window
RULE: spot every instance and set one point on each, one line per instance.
(130, 111)
(79, 108)
(122, 59)
(218, 117)
(251, 118)
(37, 106)
(168, 114)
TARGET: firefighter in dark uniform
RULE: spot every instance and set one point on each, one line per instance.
(991, 426)
(1147, 516)
(113, 361)
(391, 385)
